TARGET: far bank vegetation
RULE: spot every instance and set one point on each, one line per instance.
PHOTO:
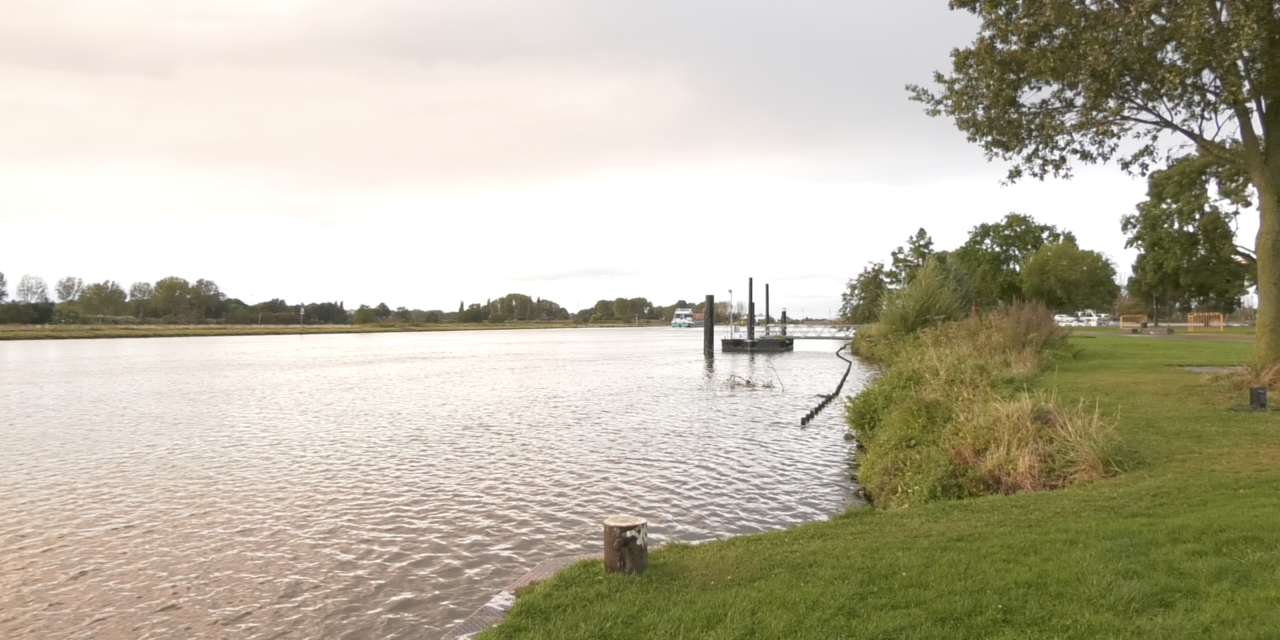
(178, 301)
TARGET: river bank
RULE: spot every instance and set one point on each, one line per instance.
(82, 331)
(1183, 545)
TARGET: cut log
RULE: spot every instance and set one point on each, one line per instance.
(626, 544)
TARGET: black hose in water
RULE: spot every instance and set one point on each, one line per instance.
(808, 417)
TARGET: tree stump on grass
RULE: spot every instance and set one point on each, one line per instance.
(626, 544)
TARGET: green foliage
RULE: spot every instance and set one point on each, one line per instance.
(4, 289)
(176, 300)
(140, 298)
(603, 310)
(364, 315)
(948, 419)
(629, 308)
(522, 308)
(906, 260)
(934, 294)
(326, 313)
(473, 313)
(27, 312)
(68, 289)
(104, 298)
(994, 253)
(864, 296)
(1185, 233)
(1067, 278)
(1052, 83)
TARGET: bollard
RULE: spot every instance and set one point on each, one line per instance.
(626, 544)
(1258, 398)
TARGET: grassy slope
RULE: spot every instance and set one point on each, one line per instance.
(1184, 545)
(70, 331)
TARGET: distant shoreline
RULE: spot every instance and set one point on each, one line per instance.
(91, 331)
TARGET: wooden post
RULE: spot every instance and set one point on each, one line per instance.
(709, 327)
(766, 310)
(751, 311)
(626, 544)
(784, 322)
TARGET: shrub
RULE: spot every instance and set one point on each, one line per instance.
(932, 296)
(950, 417)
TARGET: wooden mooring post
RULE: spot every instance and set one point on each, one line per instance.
(709, 327)
(626, 544)
(766, 309)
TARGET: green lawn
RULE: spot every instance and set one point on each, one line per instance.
(1185, 544)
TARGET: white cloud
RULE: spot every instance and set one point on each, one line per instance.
(421, 152)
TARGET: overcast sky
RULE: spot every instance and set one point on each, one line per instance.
(420, 152)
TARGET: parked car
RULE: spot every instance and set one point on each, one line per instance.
(1065, 320)
(1089, 318)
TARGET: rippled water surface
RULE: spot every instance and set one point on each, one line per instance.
(376, 485)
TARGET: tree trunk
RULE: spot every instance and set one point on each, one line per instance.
(626, 545)
(1266, 349)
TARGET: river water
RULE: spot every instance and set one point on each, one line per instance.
(360, 486)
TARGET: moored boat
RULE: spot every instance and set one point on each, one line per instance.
(683, 318)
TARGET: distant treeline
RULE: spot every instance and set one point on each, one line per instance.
(175, 300)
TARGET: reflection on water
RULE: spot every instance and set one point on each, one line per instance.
(376, 485)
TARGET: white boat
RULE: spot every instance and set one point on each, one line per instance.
(686, 318)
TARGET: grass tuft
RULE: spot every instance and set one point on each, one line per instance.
(1250, 375)
(1031, 443)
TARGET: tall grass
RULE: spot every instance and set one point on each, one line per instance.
(951, 417)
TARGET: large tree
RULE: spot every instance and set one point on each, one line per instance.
(864, 296)
(32, 290)
(1185, 232)
(68, 289)
(1050, 83)
(140, 294)
(906, 260)
(4, 288)
(103, 299)
(1067, 278)
(994, 253)
(171, 297)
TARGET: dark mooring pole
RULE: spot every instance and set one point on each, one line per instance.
(784, 322)
(709, 327)
(766, 310)
(751, 311)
